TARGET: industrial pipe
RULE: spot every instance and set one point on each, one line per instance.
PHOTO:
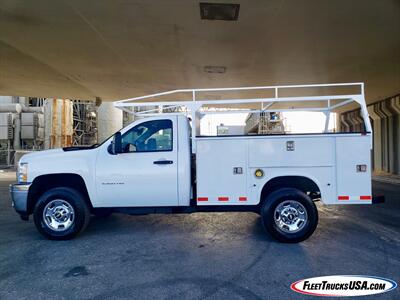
(17, 132)
(32, 109)
(11, 107)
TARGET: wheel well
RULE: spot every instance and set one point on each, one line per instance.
(301, 183)
(44, 183)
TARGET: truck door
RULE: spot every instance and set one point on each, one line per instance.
(145, 174)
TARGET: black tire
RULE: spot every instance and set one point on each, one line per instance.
(80, 218)
(277, 197)
(102, 213)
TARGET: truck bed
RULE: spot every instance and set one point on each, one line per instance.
(329, 159)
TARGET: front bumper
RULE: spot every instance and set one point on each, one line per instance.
(19, 197)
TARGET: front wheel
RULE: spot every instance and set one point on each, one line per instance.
(289, 215)
(61, 213)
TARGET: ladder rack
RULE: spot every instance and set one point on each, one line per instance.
(196, 108)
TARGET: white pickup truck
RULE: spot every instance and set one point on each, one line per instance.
(160, 164)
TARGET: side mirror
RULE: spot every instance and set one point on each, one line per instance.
(116, 144)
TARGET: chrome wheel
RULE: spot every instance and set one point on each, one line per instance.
(290, 216)
(58, 215)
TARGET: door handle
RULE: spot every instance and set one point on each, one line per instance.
(163, 162)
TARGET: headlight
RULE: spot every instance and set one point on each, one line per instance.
(22, 174)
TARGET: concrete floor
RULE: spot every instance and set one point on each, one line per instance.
(215, 256)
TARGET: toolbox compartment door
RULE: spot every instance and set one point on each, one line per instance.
(353, 154)
(221, 171)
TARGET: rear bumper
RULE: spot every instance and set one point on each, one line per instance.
(19, 198)
(378, 199)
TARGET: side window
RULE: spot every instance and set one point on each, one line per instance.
(148, 136)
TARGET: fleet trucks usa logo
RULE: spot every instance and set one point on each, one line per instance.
(343, 285)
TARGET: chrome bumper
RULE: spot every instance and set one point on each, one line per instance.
(19, 197)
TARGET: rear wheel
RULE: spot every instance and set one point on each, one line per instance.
(289, 215)
(61, 213)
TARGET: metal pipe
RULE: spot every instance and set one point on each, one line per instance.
(32, 109)
(17, 132)
(11, 107)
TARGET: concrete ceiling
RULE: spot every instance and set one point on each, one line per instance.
(124, 48)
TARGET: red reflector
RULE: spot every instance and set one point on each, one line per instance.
(365, 198)
(202, 199)
(343, 197)
(242, 198)
(223, 198)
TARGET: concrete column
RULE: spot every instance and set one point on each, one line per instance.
(345, 126)
(384, 136)
(338, 124)
(109, 120)
(58, 119)
(395, 108)
(390, 136)
(377, 139)
(352, 121)
(127, 118)
(360, 121)
(47, 122)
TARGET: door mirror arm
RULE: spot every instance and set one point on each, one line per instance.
(116, 144)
